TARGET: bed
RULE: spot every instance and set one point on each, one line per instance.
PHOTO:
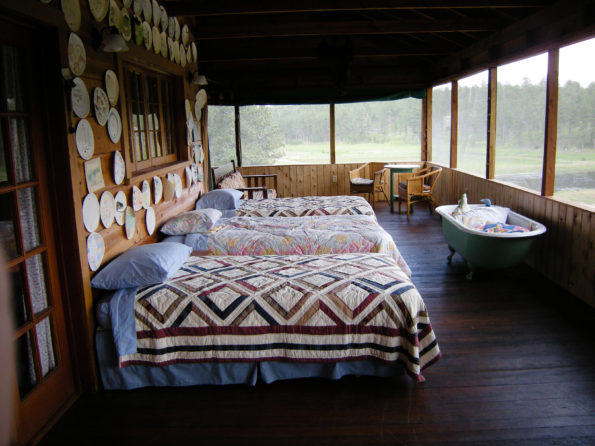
(244, 319)
(293, 235)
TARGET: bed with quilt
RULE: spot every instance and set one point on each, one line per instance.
(231, 202)
(205, 230)
(175, 319)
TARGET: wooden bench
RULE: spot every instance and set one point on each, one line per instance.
(253, 186)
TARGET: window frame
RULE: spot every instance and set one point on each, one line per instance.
(168, 138)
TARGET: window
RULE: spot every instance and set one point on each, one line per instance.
(575, 151)
(378, 131)
(285, 134)
(222, 137)
(150, 103)
(441, 100)
(472, 129)
(520, 122)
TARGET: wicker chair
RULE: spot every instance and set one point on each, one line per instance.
(253, 186)
(418, 186)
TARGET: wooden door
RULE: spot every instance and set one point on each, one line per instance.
(44, 379)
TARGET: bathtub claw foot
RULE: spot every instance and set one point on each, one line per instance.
(471, 272)
(452, 253)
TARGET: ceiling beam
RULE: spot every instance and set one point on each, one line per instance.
(378, 27)
(241, 7)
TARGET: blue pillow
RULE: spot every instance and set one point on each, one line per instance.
(142, 265)
(220, 199)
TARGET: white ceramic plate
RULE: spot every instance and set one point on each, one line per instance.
(129, 222)
(171, 28)
(156, 40)
(157, 189)
(146, 191)
(101, 105)
(126, 28)
(137, 7)
(177, 186)
(150, 220)
(170, 47)
(185, 34)
(189, 176)
(72, 14)
(197, 110)
(91, 212)
(120, 207)
(95, 250)
(99, 9)
(85, 143)
(164, 18)
(119, 167)
(107, 209)
(147, 10)
(199, 174)
(114, 125)
(137, 199)
(115, 15)
(156, 13)
(77, 56)
(177, 52)
(79, 96)
(177, 29)
(201, 97)
(182, 55)
(188, 110)
(112, 87)
(163, 43)
(194, 52)
(147, 35)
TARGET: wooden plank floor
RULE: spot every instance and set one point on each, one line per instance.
(518, 367)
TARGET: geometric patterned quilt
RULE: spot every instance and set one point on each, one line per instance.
(305, 206)
(295, 308)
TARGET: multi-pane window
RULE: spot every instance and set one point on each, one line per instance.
(441, 108)
(472, 128)
(150, 100)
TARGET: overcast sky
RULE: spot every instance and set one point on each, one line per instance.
(577, 63)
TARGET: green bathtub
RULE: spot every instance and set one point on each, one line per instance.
(488, 250)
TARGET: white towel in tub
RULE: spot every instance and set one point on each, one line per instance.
(478, 217)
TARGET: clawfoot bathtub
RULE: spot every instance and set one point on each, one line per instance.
(488, 250)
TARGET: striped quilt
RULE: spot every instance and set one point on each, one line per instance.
(305, 206)
(297, 308)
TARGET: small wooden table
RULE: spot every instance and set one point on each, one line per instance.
(398, 168)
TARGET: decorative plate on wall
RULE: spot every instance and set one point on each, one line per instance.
(112, 87)
(147, 10)
(189, 176)
(171, 28)
(79, 96)
(177, 29)
(72, 14)
(177, 52)
(120, 205)
(200, 175)
(170, 47)
(129, 222)
(115, 15)
(138, 33)
(99, 9)
(188, 109)
(147, 35)
(177, 186)
(95, 250)
(150, 220)
(114, 125)
(156, 13)
(127, 3)
(197, 110)
(163, 43)
(137, 7)
(101, 105)
(146, 191)
(85, 143)
(182, 55)
(201, 97)
(137, 198)
(126, 28)
(91, 212)
(194, 52)
(185, 35)
(164, 18)
(107, 209)
(77, 56)
(157, 189)
(156, 39)
(119, 167)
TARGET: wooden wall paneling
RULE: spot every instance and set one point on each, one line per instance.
(590, 260)
(567, 246)
(307, 180)
(238, 133)
(491, 124)
(334, 184)
(551, 124)
(319, 182)
(454, 123)
(576, 246)
(332, 132)
(286, 182)
(313, 182)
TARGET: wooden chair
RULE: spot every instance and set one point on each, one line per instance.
(418, 186)
(253, 186)
(379, 177)
(358, 184)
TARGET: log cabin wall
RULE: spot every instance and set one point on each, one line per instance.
(83, 298)
(565, 253)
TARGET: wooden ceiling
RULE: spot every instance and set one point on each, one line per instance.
(292, 51)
